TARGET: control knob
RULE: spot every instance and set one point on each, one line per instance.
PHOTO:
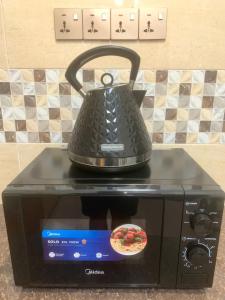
(198, 254)
(201, 224)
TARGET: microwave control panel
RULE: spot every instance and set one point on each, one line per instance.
(202, 216)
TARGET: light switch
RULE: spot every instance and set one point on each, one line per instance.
(75, 17)
(68, 23)
(96, 24)
(124, 24)
(152, 23)
(161, 16)
(132, 17)
(103, 16)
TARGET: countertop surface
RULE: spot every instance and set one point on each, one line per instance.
(212, 159)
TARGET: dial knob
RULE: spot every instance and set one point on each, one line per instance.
(198, 254)
(201, 224)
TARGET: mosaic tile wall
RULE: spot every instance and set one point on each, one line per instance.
(181, 106)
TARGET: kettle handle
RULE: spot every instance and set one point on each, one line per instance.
(96, 52)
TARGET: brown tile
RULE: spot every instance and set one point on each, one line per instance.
(29, 100)
(161, 76)
(88, 75)
(171, 113)
(5, 88)
(157, 138)
(204, 126)
(39, 75)
(210, 76)
(180, 137)
(33, 137)
(10, 136)
(20, 125)
(185, 89)
(64, 88)
(44, 137)
(207, 101)
(1, 125)
(54, 113)
(66, 137)
(148, 102)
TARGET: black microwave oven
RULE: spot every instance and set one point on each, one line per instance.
(156, 227)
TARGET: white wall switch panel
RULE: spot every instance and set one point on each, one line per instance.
(96, 24)
(124, 24)
(68, 23)
(152, 23)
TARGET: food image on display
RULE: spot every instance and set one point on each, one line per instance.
(128, 239)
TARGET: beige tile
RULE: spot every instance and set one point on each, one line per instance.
(149, 76)
(27, 152)
(9, 164)
(170, 126)
(172, 89)
(182, 114)
(17, 100)
(214, 137)
(27, 74)
(65, 113)
(55, 125)
(62, 75)
(221, 76)
(176, 52)
(197, 89)
(191, 138)
(160, 101)
(52, 88)
(32, 125)
(9, 125)
(124, 76)
(206, 114)
(3, 74)
(186, 76)
(42, 100)
(3, 53)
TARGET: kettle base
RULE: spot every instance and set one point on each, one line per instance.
(113, 170)
(109, 165)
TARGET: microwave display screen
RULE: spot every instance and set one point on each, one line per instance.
(75, 244)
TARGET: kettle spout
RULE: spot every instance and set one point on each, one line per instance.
(139, 96)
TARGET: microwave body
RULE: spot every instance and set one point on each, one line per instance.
(121, 236)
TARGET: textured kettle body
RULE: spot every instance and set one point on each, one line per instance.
(109, 133)
(110, 117)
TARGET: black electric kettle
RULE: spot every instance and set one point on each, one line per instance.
(109, 134)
